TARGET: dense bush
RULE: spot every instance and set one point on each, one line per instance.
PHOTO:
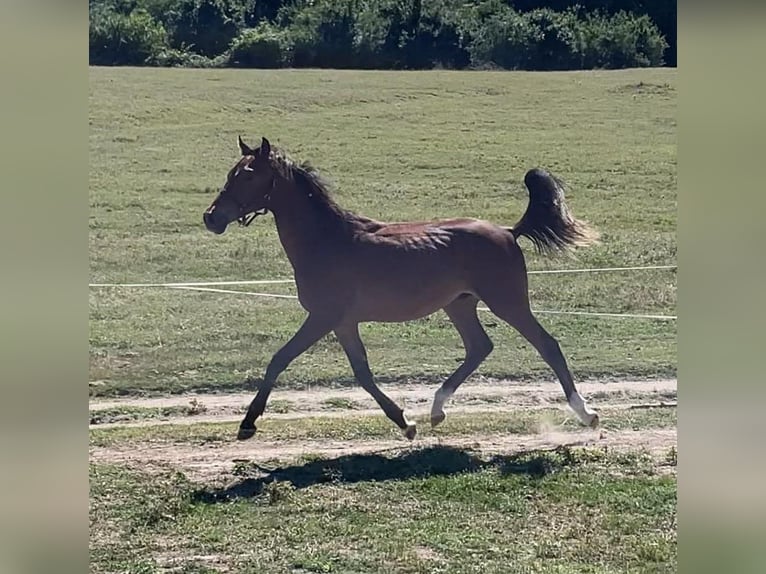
(389, 34)
(546, 40)
(437, 36)
(173, 58)
(257, 11)
(265, 46)
(124, 39)
(205, 26)
(664, 14)
(622, 41)
(557, 40)
(500, 37)
(383, 34)
(323, 35)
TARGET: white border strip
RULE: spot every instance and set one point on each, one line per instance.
(542, 312)
(276, 281)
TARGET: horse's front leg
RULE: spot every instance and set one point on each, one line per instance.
(348, 337)
(314, 328)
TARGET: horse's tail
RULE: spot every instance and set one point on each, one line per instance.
(547, 221)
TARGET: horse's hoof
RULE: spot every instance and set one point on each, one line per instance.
(594, 421)
(437, 419)
(245, 433)
(410, 431)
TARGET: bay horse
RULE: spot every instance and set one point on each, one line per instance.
(351, 269)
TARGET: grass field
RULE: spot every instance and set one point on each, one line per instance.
(398, 146)
(510, 482)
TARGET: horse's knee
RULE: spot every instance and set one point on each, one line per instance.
(480, 350)
(487, 346)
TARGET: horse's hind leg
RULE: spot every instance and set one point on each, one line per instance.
(462, 313)
(348, 337)
(518, 314)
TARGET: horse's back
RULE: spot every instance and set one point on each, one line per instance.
(413, 269)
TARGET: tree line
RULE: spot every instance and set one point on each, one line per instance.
(384, 34)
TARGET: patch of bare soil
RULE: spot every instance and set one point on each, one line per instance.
(214, 461)
(482, 395)
(217, 461)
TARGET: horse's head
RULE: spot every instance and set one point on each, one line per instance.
(247, 190)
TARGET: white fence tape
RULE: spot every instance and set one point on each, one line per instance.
(276, 281)
(211, 287)
(213, 290)
(543, 312)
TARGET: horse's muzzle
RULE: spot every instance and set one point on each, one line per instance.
(212, 224)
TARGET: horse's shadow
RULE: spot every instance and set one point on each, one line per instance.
(415, 463)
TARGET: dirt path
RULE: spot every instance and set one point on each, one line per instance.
(415, 399)
(215, 461)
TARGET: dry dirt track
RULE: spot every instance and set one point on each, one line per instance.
(415, 399)
(215, 460)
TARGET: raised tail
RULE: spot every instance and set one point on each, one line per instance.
(547, 221)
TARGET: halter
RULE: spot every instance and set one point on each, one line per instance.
(247, 216)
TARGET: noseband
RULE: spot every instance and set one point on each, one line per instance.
(247, 216)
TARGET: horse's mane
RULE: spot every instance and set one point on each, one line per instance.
(317, 189)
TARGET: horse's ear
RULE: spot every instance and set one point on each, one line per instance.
(243, 147)
(265, 148)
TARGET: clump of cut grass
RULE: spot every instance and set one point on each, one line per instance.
(341, 403)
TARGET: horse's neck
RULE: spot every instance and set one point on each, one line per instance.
(305, 229)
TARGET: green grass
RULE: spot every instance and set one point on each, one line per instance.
(341, 403)
(399, 146)
(278, 406)
(431, 510)
(133, 413)
(162, 341)
(370, 427)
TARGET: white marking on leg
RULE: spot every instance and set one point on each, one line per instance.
(440, 398)
(586, 415)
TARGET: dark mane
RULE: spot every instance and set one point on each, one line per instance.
(317, 188)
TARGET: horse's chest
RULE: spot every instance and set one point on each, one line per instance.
(321, 293)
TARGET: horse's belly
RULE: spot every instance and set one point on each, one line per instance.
(401, 305)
